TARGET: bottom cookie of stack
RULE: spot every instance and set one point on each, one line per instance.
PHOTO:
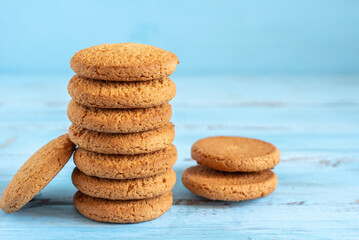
(122, 211)
(216, 185)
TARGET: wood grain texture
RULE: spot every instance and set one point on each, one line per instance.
(314, 121)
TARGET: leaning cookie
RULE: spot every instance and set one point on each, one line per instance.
(36, 173)
(124, 62)
(119, 120)
(127, 189)
(105, 94)
(122, 211)
(114, 166)
(225, 186)
(126, 143)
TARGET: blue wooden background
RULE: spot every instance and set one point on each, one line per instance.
(211, 37)
(283, 71)
(314, 121)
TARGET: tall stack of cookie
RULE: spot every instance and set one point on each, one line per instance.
(232, 168)
(121, 125)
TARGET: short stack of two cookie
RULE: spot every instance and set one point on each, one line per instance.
(232, 168)
(121, 125)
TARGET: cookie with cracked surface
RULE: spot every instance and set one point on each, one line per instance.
(124, 62)
(119, 120)
(215, 185)
(114, 166)
(235, 154)
(127, 189)
(105, 94)
(123, 143)
(36, 173)
(122, 211)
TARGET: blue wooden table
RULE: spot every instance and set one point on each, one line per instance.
(314, 121)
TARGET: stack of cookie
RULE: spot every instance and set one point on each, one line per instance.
(232, 168)
(120, 115)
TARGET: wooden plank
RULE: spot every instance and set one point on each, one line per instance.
(313, 121)
(248, 219)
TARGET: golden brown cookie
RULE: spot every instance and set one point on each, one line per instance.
(113, 166)
(215, 185)
(105, 94)
(119, 120)
(122, 211)
(36, 173)
(235, 154)
(124, 62)
(123, 143)
(128, 189)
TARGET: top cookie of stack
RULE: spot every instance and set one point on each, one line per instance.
(121, 124)
(124, 62)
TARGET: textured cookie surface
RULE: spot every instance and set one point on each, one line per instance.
(36, 173)
(129, 189)
(122, 143)
(105, 94)
(122, 211)
(206, 182)
(119, 120)
(114, 166)
(235, 154)
(124, 62)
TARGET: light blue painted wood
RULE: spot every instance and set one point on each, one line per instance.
(313, 120)
(217, 37)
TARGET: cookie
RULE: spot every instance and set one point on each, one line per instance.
(235, 154)
(215, 185)
(105, 94)
(128, 189)
(123, 143)
(124, 62)
(119, 120)
(113, 166)
(122, 211)
(36, 173)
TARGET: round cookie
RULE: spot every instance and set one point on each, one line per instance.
(122, 143)
(124, 62)
(235, 154)
(36, 173)
(225, 186)
(105, 94)
(119, 120)
(122, 211)
(113, 166)
(128, 189)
